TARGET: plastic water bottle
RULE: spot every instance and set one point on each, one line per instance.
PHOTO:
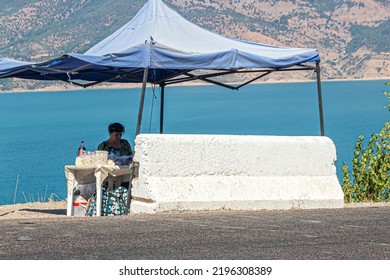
(81, 148)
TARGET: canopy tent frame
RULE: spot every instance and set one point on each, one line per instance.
(188, 77)
(151, 49)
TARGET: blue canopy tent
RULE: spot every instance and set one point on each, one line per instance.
(160, 47)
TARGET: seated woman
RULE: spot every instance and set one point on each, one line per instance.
(115, 144)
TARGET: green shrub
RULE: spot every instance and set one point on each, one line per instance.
(370, 168)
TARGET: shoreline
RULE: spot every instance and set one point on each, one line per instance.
(189, 84)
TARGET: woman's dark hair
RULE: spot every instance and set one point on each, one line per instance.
(116, 127)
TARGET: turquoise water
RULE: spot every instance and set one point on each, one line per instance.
(41, 131)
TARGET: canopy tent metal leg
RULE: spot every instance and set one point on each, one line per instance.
(141, 102)
(134, 165)
(320, 98)
(162, 86)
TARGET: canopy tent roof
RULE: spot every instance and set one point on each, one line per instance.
(168, 45)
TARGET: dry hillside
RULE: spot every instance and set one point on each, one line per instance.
(351, 35)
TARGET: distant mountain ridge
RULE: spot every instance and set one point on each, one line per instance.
(351, 35)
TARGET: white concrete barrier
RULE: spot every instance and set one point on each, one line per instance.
(206, 172)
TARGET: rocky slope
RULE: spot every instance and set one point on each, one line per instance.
(351, 35)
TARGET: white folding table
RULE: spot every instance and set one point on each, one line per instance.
(87, 174)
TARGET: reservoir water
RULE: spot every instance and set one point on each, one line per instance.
(41, 131)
